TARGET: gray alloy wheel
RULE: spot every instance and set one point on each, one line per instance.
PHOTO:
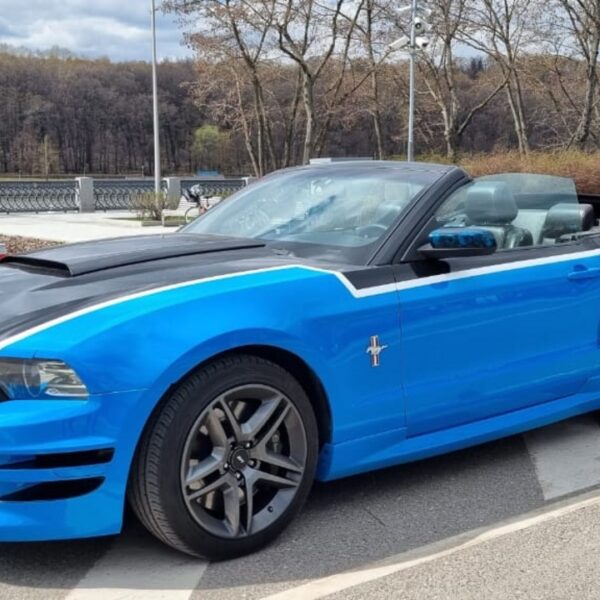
(227, 459)
(243, 461)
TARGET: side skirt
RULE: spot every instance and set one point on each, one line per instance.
(394, 448)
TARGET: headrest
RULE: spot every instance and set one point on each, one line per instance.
(490, 203)
(565, 219)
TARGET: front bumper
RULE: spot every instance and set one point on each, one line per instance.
(64, 465)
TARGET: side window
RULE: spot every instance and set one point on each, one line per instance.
(521, 210)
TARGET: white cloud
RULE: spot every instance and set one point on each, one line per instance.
(119, 29)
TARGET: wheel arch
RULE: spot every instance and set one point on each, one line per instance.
(296, 366)
(301, 371)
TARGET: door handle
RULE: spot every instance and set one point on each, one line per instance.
(582, 274)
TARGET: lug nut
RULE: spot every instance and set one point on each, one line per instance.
(248, 445)
(238, 475)
(226, 466)
(252, 463)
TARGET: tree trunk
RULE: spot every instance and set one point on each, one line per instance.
(515, 101)
(290, 131)
(377, 129)
(452, 142)
(247, 133)
(583, 129)
(309, 109)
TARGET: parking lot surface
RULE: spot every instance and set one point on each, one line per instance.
(351, 528)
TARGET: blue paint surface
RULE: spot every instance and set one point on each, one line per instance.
(468, 360)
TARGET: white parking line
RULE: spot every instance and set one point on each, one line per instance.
(319, 588)
(566, 456)
(135, 569)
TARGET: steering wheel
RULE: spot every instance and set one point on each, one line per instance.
(374, 230)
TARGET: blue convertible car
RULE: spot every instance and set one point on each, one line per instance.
(325, 321)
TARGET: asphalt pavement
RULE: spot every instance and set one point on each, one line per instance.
(503, 520)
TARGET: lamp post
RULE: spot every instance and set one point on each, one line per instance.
(157, 173)
(411, 94)
(412, 44)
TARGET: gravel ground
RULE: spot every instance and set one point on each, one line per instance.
(16, 245)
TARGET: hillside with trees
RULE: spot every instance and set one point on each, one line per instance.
(68, 115)
(275, 82)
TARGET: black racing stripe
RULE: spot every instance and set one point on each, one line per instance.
(370, 277)
(49, 297)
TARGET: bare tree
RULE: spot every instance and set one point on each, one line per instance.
(442, 74)
(308, 33)
(503, 29)
(583, 18)
(236, 31)
(374, 31)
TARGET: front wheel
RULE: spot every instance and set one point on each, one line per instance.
(228, 460)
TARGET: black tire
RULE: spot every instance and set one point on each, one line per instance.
(156, 488)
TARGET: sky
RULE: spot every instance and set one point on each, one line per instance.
(117, 29)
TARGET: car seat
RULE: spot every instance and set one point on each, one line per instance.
(567, 219)
(491, 205)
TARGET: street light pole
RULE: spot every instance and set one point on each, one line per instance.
(157, 173)
(411, 102)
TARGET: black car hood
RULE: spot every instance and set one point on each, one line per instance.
(40, 286)
(89, 257)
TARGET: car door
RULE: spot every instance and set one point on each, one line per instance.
(485, 336)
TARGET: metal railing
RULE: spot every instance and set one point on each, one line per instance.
(214, 187)
(120, 194)
(108, 194)
(31, 196)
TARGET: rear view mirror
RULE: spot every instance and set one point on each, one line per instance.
(454, 242)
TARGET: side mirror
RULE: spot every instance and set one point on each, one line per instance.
(454, 242)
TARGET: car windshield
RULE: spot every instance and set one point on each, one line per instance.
(328, 206)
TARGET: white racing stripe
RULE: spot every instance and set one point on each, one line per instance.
(123, 299)
(566, 456)
(319, 588)
(135, 569)
(355, 292)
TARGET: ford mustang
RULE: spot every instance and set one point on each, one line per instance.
(325, 321)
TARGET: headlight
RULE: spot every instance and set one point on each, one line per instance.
(39, 380)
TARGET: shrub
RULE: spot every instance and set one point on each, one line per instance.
(583, 167)
(149, 205)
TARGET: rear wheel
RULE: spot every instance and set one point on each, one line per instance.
(228, 460)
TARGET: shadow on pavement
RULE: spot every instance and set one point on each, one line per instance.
(346, 524)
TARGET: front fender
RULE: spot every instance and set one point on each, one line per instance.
(151, 341)
(237, 340)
